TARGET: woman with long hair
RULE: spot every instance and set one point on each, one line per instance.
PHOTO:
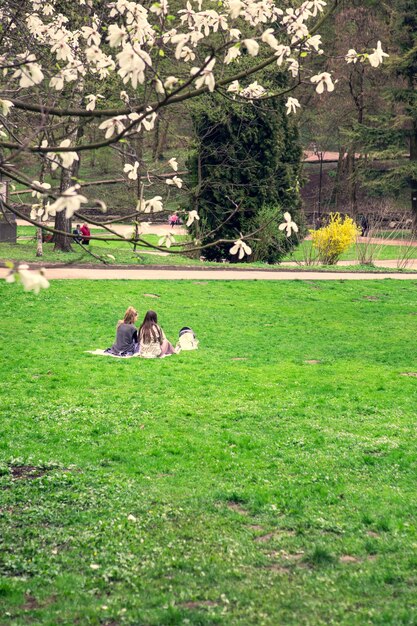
(152, 340)
(126, 342)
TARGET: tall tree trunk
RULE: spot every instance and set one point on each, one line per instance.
(39, 243)
(413, 161)
(61, 240)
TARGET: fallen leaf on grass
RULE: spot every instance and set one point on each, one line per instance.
(239, 358)
(413, 374)
(312, 362)
(151, 295)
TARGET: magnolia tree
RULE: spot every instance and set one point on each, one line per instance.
(115, 66)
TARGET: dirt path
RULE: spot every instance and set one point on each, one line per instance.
(203, 275)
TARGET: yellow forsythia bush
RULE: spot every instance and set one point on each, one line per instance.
(332, 240)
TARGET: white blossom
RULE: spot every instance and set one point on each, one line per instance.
(234, 87)
(166, 240)
(32, 281)
(5, 106)
(170, 82)
(39, 194)
(30, 73)
(92, 100)
(252, 46)
(241, 248)
(322, 80)
(192, 215)
(292, 104)
(377, 57)
(206, 76)
(154, 205)
(70, 201)
(131, 170)
(289, 226)
(174, 181)
(113, 125)
(352, 56)
(173, 163)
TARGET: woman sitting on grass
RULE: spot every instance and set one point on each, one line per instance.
(152, 340)
(126, 342)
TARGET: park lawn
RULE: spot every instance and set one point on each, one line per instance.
(267, 478)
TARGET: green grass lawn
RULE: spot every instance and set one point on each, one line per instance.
(270, 474)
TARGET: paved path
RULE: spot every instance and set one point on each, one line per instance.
(202, 275)
(124, 229)
(410, 264)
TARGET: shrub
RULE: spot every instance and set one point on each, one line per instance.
(332, 240)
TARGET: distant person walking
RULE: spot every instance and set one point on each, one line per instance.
(85, 231)
(364, 226)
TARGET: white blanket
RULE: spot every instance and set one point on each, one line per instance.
(115, 356)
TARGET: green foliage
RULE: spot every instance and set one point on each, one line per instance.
(247, 158)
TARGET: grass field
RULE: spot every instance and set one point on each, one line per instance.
(266, 479)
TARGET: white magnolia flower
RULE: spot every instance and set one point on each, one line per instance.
(322, 80)
(116, 35)
(234, 87)
(170, 82)
(232, 54)
(269, 38)
(292, 104)
(174, 181)
(252, 46)
(154, 205)
(192, 215)
(166, 240)
(30, 73)
(377, 57)
(289, 226)
(314, 42)
(173, 163)
(70, 200)
(32, 281)
(131, 170)
(39, 194)
(253, 91)
(5, 106)
(67, 158)
(113, 125)
(206, 76)
(281, 53)
(352, 56)
(241, 248)
(92, 100)
(235, 7)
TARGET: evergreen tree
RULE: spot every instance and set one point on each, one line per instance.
(392, 134)
(244, 173)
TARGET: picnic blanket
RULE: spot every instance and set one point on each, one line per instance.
(99, 352)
